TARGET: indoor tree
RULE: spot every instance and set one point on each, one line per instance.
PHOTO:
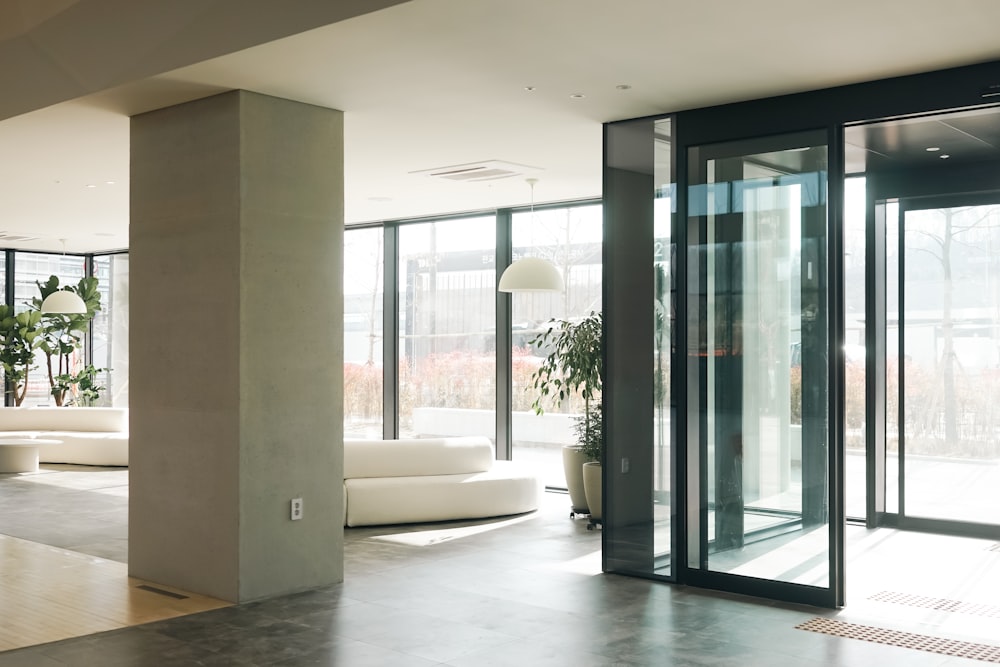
(62, 335)
(19, 337)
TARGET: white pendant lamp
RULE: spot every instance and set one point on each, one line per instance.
(63, 302)
(531, 274)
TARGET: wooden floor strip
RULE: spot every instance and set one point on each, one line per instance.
(48, 594)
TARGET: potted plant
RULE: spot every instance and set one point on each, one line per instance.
(589, 430)
(88, 390)
(572, 367)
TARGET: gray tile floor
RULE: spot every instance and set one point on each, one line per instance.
(80, 508)
(520, 591)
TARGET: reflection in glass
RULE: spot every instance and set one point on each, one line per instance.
(758, 346)
(363, 338)
(447, 319)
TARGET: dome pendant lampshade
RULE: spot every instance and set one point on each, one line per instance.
(63, 302)
(531, 274)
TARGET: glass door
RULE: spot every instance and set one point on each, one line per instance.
(949, 341)
(760, 456)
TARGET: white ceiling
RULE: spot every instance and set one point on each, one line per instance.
(430, 83)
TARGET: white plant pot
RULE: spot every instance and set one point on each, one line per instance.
(573, 461)
(593, 486)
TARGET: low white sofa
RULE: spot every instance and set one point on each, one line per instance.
(88, 436)
(432, 479)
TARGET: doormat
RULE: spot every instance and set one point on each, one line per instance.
(940, 604)
(952, 647)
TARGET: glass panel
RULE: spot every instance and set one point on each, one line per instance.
(854, 346)
(892, 357)
(110, 330)
(759, 335)
(952, 351)
(30, 267)
(571, 239)
(447, 282)
(363, 337)
(664, 208)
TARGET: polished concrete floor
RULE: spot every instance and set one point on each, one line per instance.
(528, 591)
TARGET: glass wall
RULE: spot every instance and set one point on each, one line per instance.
(664, 314)
(109, 334)
(436, 373)
(571, 239)
(29, 268)
(855, 302)
(363, 338)
(447, 327)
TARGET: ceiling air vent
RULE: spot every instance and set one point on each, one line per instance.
(7, 237)
(473, 172)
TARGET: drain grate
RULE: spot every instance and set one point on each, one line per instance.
(952, 647)
(160, 591)
(939, 604)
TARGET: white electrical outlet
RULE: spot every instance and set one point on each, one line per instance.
(296, 509)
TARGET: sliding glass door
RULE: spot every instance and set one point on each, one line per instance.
(949, 378)
(759, 374)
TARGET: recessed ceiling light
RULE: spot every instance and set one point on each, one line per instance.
(623, 86)
(577, 96)
(109, 182)
(933, 149)
(91, 185)
(945, 156)
(530, 89)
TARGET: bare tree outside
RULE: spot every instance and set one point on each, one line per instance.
(952, 285)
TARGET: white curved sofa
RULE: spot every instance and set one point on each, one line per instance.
(89, 436)
(432, 479)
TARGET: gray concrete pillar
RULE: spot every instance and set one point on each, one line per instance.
(236, 342)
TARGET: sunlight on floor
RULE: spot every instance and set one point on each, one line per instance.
(430, 537)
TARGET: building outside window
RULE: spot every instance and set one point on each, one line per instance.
(447, 328)
(570, 238)
(363, 337)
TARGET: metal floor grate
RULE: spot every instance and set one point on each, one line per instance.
(939, 604)
(160, 591)
(951, 647)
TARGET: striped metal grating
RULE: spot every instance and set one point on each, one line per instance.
(160, 591)
(995, 547)
(939, 604)
(941, 645)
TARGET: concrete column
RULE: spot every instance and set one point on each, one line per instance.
(236, 341)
